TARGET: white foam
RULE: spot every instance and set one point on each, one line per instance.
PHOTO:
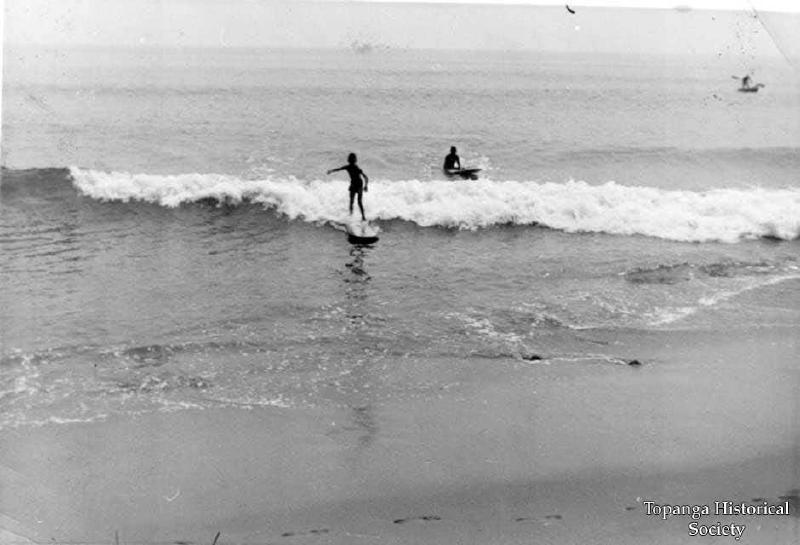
(667, 316)
(19, 420)
(727, 215)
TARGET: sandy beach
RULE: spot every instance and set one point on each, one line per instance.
(514, 452)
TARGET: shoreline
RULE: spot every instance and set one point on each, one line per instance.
(510, 452)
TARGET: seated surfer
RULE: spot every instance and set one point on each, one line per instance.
(355, 173)
(452, 161)
(746, 82)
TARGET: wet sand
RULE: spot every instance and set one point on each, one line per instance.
(505, 452)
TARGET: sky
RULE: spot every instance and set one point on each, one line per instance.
(755, 27)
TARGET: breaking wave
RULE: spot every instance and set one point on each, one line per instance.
(727, 215)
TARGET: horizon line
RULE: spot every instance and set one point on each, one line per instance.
(774, 6)
(373, 48)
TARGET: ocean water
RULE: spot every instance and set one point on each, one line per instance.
(169, 239)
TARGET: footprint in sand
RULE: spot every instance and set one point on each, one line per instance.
(793, 497)
(547, 517)
(426, 518)
(316, 531)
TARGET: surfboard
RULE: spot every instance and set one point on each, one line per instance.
(362, 233)
(466, 173)
(751, 88)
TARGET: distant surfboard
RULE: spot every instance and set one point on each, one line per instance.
(466, 173)
(751, 88)
(362, 233)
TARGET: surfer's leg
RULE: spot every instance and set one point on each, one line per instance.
(360, 206)
(352, 196)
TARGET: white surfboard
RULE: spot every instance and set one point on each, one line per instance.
(362, 232)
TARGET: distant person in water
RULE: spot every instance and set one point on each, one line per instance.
(746, 82)
(452, 162)
(355, 173)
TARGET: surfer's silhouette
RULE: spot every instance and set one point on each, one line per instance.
(356, 188)
(747, 84)
(452, 161)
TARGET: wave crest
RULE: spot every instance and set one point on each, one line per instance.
(728, 215)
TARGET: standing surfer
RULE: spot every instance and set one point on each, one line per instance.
(355, 173)
(746, 82)
(747, 85)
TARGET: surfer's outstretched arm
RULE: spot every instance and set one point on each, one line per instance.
(331, 171)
